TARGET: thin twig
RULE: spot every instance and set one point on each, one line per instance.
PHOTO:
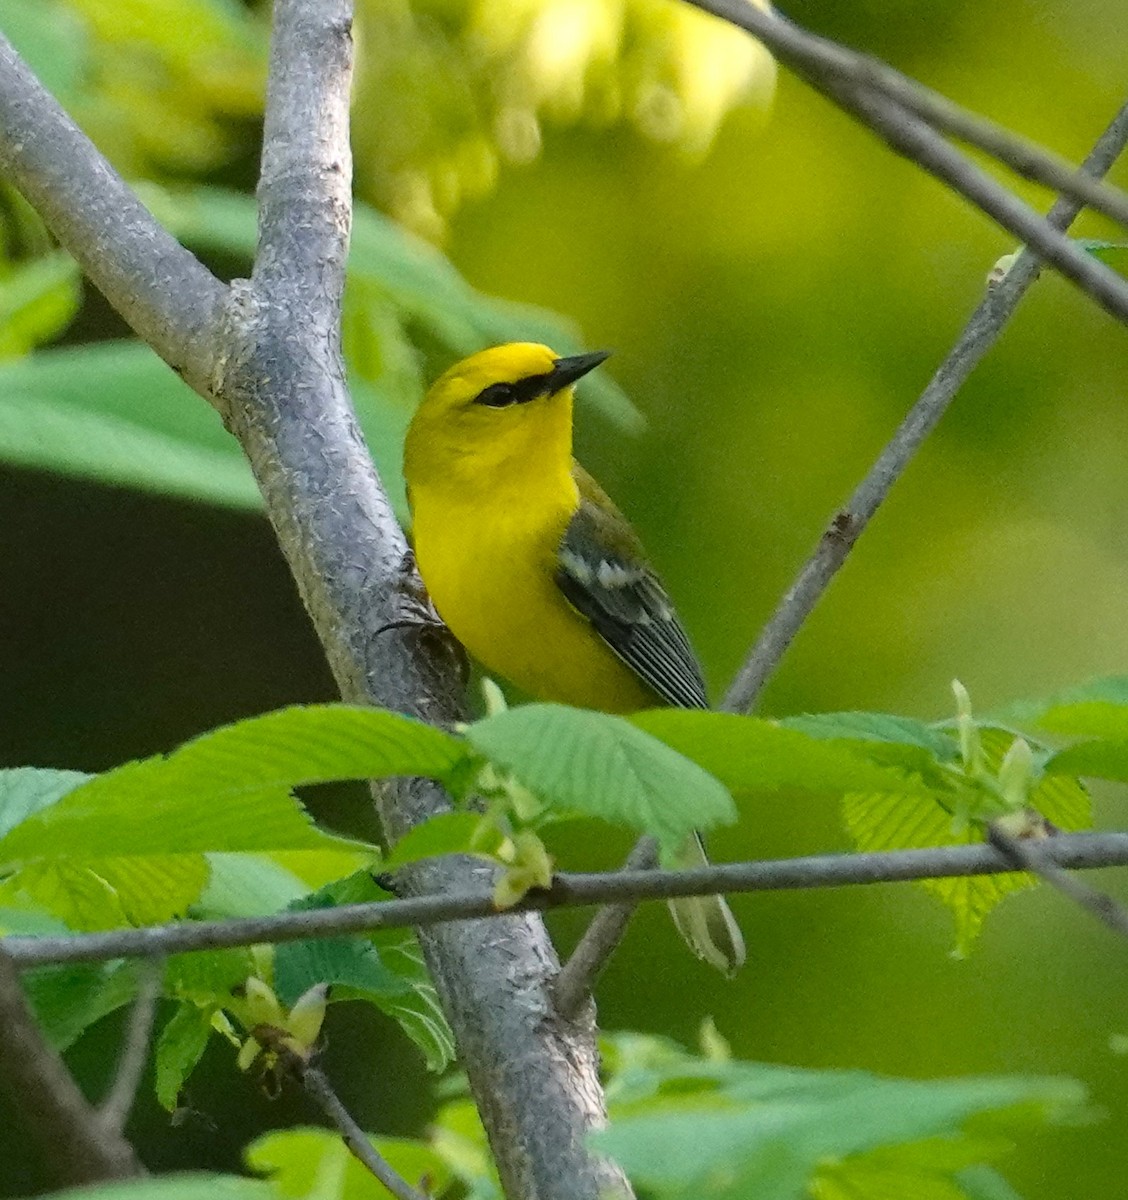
(600, 940)
(115, 1108)
(316, 1083)
(832, 60)
(1029, 854)
(979, 335)
(77, 1146)
(1079, 851)
(911, 136)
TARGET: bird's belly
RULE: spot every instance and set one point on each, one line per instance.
(496, 591)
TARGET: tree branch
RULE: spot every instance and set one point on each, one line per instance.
(533, 1076)
(1027, 854)
(267, 354)
(978, 336)
(820, 63)
(115, 1108)
(315, 1082)
(600, 940)
(77, 1146)
(165, 294)
(1077, 851)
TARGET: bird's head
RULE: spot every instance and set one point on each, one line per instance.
(497, 406)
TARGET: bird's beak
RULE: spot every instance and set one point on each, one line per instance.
(566, 371)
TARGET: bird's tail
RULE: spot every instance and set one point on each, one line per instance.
(706, 922)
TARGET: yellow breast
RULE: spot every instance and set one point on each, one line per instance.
(490, 572)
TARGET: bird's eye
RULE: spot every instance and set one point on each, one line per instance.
(497, 395)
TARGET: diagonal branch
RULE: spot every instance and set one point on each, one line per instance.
(1077, 851)
(533, 1076)
(165, 294)
(317, 1084)
(819, 63)
(77, 1145)
(115, 1108)
(267, 354)
(979, 335)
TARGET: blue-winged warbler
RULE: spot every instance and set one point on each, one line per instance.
(537, 573)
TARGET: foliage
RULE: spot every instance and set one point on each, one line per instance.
(167, 835)
(458, 88)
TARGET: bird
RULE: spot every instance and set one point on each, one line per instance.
(536, 572)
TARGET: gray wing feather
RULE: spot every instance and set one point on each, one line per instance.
(629, 608)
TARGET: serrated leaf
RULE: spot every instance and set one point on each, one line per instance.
(115, 413)
(353, 962)
(1112, 254)
(180, 1047)
(227, 790)
(603, 766)
(417, 1010)
(314, 1164)
(752, 754)
(891, 822)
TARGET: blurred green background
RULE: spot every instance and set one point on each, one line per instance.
(776, 299)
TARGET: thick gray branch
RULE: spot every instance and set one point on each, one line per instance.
(78, 1146)
(165, 294)
(1075, 851)
(282, 389)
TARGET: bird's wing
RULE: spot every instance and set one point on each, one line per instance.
(603, 572)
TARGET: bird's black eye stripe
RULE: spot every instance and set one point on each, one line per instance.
(501, 395)
(497, 395)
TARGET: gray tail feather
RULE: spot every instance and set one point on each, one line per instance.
(706, 922)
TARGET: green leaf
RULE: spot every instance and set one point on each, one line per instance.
(1097, 709)
(199, 1185)
(113, 891)
(603, 766)
(115, 413)
(1112, 254)
(683, 1126)
(447, 833)
(384, 968)
(752, 754)
(351, 961)
(227, 790)
(891, 822)
(207, 977)
(37, 301)
(1099, 759)
(313, 1164)
(51, 39)
(417, 1010)
(180, 1047)
(26, 790)
(68, 999)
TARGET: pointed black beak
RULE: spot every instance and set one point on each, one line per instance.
(567, 370)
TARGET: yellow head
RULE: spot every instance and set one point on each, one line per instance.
(503, 407)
